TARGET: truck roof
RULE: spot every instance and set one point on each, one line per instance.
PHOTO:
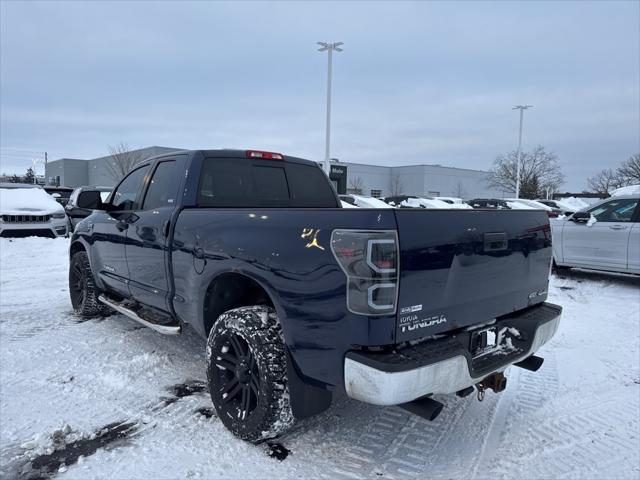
(228, 153)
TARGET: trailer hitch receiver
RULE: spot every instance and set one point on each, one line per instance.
(496, 382)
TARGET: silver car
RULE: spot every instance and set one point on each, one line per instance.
(605, 236)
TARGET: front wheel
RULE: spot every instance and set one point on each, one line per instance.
(247, 373)
(82, 288)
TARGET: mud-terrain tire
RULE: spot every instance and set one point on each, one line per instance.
(82, 288)
(247, 373)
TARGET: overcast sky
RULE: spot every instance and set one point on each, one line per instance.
(420, 82)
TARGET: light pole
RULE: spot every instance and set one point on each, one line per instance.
(329, 47)
(522, 108)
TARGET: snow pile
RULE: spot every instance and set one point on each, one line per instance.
(25, 201)
(630, 190)
(425, 203)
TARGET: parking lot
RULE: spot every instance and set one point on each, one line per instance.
(107, 398)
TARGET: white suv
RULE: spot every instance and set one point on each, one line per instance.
(27, 210)
(605, 236)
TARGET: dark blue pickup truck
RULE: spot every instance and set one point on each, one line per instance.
(299, 298)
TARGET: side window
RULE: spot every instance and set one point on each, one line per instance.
(615, 211)
(163, 188)
(124, 197)
(226, 182)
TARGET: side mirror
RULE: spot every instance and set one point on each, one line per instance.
(580, 217)
(91, 201)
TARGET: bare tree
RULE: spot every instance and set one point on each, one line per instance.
(539, 170)
(459, 190)
(629, 171)
(356, 185)
(605, 181)
(396, 185)
(121, 160)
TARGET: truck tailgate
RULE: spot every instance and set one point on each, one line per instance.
(465, 267)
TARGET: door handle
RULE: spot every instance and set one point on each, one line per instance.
(122, 226)
(618, 227)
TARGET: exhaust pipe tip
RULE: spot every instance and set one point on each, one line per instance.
(426, 408)
(437, 410)
(531, 363)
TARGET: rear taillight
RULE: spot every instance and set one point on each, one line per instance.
(369, 258)
(264, 155)
(552, 214)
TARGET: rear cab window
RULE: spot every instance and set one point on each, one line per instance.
(244, 182)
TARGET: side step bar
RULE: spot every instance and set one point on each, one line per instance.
(168, 329)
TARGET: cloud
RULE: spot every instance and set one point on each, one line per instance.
(421, 82)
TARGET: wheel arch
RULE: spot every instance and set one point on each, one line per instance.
(233, 289)
(75, 247)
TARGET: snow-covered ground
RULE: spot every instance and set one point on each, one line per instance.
(115, 400)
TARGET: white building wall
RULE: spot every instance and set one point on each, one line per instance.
(412, 179)
(423, 180)
(373, 177)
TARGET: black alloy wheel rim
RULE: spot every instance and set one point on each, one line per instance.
(76, 285)
(236, 376)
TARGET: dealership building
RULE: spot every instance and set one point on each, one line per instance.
(348, 177)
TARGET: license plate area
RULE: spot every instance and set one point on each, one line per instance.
(484, 342)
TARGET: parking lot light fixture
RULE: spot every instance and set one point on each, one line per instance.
(328, 47)
(522, 108)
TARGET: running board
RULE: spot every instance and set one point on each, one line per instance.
(170, 329)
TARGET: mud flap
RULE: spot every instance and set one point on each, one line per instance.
(306, 399)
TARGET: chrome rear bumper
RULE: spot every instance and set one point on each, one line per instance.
(374, 383)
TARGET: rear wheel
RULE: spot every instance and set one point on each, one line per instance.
(82, 288)
(247, 375)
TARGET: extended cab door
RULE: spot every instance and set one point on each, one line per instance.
(148, 234)
(109, 232)
(605, 243)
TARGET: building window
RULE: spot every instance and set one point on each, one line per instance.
(376, 193)
(434, 194)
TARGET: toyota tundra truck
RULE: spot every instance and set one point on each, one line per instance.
(299, 299)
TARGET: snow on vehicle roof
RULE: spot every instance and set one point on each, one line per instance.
(530, 203)
(346, 205)
(517, 205)
(369, 202)
(426, 203)
(23, 201)
(572, 203)
(630, 190)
